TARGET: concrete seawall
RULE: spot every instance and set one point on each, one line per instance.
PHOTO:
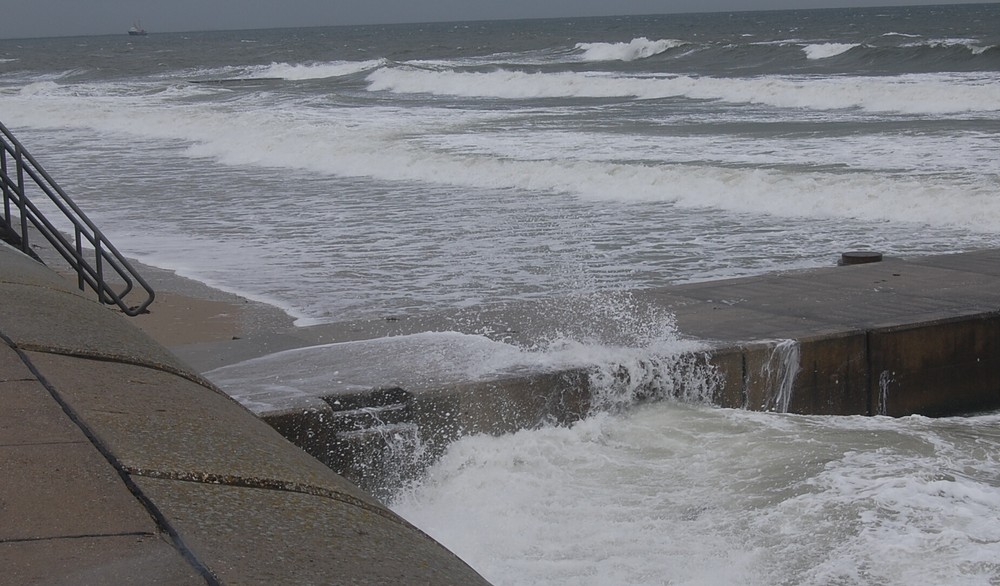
(897, 337)
(122, 465)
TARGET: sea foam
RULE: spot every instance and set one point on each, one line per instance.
(827, 50)
(303, 71)
(683, 494)
(910, 94)
(366, 144)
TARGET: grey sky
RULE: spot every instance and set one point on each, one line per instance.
(34, 18)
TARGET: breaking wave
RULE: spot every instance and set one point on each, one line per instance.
(827, 50)
(911, 94)
(639, 48)
(303, 71)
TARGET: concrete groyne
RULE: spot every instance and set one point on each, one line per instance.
(896, 337)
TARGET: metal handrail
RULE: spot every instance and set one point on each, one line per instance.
(106, 257)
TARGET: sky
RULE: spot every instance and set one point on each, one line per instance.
(49, 18)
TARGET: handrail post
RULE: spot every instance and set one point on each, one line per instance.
(19, 164)
(6, 189)
(79, 254)
(99, 267)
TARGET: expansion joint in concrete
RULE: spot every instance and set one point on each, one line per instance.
(144, 500)
(119, 359)
(262, 484)
(61, 443)
(80, 536)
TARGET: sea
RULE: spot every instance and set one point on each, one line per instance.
(385, 172)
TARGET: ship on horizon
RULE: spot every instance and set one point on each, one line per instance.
(136, 30)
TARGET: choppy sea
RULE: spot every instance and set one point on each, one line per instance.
(359, 173)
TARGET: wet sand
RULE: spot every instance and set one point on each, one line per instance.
(195, 321)
(202, 325)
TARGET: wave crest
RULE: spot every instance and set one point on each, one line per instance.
(39, 88)
(827, 50)
(909, 94)
(304, 71)
(638, 48)
(972, 45)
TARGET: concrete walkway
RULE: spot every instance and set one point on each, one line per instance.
(119, 465)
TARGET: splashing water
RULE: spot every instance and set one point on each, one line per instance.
(779, 374)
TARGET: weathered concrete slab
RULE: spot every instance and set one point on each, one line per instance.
(89, 559)
(892, 292)
(11, 366)
(503, 405)
(158, 424)
(824, 375)
(66, 323)
(112, 447)
(372, 438)
(835, 369)
(980, 262)
(729, 387)
(17, 268)
(243, 530)
(31, 416)
(813, 342)
(64, 490)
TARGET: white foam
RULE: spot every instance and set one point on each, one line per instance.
(38, 88)
(304, 71)
(638, 48)
(973, 45)
(911, 94)
(693, 495)
(827, 50)
(365, 142)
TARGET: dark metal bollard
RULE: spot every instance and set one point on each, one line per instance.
(859, 258)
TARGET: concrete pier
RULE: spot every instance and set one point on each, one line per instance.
(121, 465)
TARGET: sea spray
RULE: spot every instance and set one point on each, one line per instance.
(632, 350)
(688, 377)
(384, 458)
(399, 401)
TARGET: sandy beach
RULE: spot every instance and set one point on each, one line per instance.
(197, 322)
(208, 327)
